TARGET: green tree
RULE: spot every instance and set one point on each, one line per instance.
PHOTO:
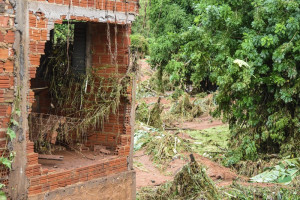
(260, 97)
(168, 19)
(251, 51)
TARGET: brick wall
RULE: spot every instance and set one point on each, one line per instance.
(100, 188)
(117, 130)
(6, 75)
(45, 181)
(114, 5)
(37, 39)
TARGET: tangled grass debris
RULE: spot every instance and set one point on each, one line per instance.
(241, 192)
(184, 109)
(163, 146)
(252, 168)
(150, 115)
(210, 141)
(190, 183)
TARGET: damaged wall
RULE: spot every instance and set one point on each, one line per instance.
(14, 21)
(28, 32)
(113, 187)
(7, 38)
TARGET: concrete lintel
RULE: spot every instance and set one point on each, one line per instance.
(55, 11)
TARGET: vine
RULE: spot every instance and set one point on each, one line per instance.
(8, 154)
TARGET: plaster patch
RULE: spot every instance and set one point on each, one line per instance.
(54, 12)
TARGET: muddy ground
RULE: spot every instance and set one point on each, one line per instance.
(148, 174)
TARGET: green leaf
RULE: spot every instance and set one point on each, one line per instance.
(2, 196)
(14, 122)
(11, 133)
(6, 162)
(285, 179)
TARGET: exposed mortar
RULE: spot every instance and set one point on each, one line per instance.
(54, 12)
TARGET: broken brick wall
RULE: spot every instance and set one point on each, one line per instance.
(117, 130)
(112, 5)
(6, 76)
(116, 186)
(41, 17)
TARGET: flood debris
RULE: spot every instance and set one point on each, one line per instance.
(185, 108)
(190, 183)
(150, 115)
(162, 146)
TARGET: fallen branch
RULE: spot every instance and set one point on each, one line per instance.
(50, 157)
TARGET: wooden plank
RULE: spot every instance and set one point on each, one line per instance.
(51, 157)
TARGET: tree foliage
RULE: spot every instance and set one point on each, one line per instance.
(259, 83)
(250, 50)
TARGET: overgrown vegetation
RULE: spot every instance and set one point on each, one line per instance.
(247, 53)
(7, 153)
(249, 50)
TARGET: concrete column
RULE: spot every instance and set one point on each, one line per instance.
(18, 182)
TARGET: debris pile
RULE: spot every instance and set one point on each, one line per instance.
(150, 116)
(191, 182)
(163, 146)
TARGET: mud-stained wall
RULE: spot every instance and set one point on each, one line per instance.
(117, 187)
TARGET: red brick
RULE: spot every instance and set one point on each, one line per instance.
(9, 37)
(4, 21)
(4, 53)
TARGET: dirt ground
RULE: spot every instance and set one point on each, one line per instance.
(72, 160)
(149, 175)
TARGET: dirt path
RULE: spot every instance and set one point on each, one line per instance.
(146, 173)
